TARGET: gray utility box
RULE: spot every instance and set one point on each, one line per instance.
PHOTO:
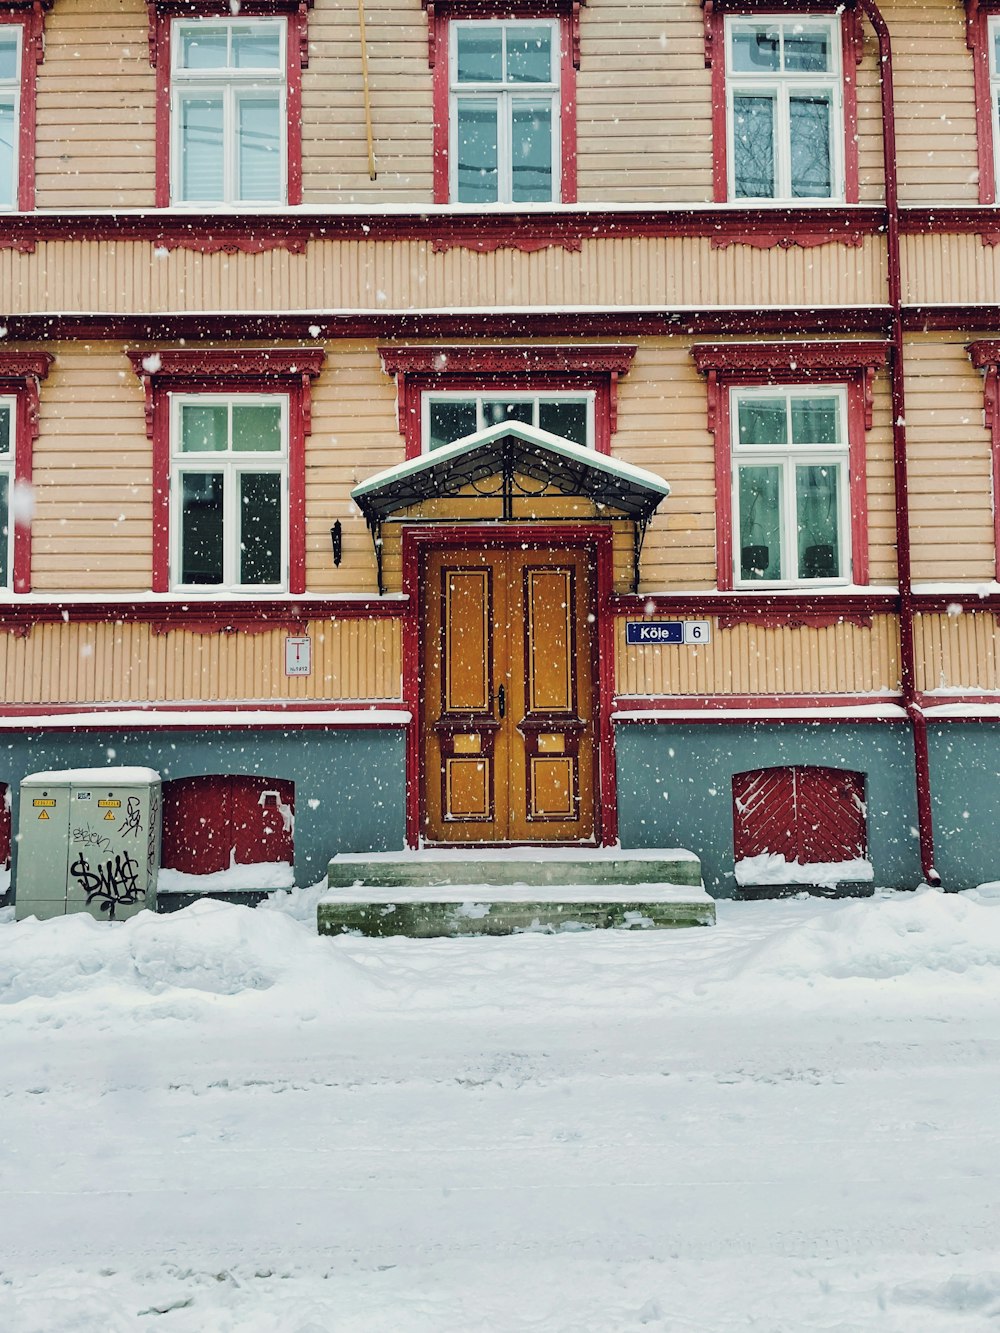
(88, 841)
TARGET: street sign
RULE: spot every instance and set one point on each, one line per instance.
(668, 631)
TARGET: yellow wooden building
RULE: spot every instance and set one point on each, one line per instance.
(532, 422)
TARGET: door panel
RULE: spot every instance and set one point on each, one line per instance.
(807, 814)
(507, 697)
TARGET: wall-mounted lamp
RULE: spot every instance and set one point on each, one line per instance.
(337, 541)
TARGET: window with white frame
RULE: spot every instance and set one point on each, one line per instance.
(790, 485)
(504, 107)
(10, 98)
(452, 416)
(784, 108)
(228, 111)
(229, 491)
(7, 407)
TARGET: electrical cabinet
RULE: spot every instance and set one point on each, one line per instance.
(88, 841)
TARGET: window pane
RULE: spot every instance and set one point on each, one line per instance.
(480, 53)
(566, 419)
(760, 523)
(201, 149)
(531, 153)
(256, 48)
(8, 57)
(753, 146)
(5, 422)
(204, 47)
(497, 410)
(809, 119)
(529, 55)
(260, 148)
(4, 529)
(260, 527)
(996, 49)
(817, 505)
(204, 429)
(451, 420)
(754, 52)
(201, 527)
(477, 152)
(7, 150)
(816, 421)
(257, 427)
(763, 421)
(808, 51)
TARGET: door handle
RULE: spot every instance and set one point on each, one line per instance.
(501, 700)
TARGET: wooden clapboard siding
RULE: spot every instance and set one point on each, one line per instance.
(756, 659)
(95, 126)
(943, 268)
(959, 651)
(131, 663)
(134, 277)
(92, 470)
(951, 517)
(935, 106)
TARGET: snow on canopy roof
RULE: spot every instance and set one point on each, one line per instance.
(506, 447)
(121, 777)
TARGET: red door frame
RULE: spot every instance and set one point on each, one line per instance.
(594, 538)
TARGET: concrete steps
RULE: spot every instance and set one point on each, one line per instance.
(450, 892)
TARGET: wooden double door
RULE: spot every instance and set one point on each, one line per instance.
(508, 696)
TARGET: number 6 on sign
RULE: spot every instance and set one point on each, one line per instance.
(697, 631)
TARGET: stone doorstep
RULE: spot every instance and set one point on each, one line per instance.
(430, 919)
(577, 868)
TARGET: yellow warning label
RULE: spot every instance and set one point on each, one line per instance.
(110, 815)
(104, 805)
(41, 801)
(43, 814)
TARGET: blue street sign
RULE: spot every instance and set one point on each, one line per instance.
(654, 631)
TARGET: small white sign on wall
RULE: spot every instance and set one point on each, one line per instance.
(298, 655)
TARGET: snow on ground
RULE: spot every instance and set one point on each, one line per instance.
(218, 1121)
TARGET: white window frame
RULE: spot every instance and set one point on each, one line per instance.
(787, 457)
(480, 396)
(783, 86)
(8, 468)
(232, 85)
(505, 93)
(10, 92)
(231, 464)
(992, 35)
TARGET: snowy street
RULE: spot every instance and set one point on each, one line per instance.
(219, 1121)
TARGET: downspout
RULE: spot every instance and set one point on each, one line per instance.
(907, 659)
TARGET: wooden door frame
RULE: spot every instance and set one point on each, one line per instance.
(417, 542)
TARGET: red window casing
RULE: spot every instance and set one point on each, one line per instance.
(852, 46)
(21, 374)
(806, 814)
(441, 12)
(268, 370)
(29, 15)
(212, 822)
(853, 365)
(161, 14)
(977, 37)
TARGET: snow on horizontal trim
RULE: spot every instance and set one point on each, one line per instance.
(772, 868)
(117, 776)
(205, 717)
(547, 853)
(970, 710)
(884, 712)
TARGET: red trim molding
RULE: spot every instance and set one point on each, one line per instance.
(852, 364)
(161, 14)
(21, 373)
(852, 51)
(985, 356)
(774, 610)
(977, 39)
(266, 370)
(30, 16)
(439, 15)
(422, 369)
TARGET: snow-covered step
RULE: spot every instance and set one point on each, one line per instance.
(450, 892)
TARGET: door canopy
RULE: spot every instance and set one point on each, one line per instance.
(506, 463)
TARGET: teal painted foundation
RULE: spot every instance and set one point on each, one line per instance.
(675, 786)
(965, 802)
